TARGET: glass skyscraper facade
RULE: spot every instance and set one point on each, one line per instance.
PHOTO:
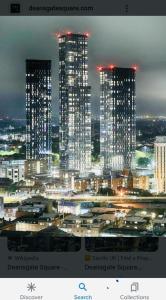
(160, 163)
(75, 103)
(38, 110)
(117, 117)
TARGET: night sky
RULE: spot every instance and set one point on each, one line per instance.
(122, 41)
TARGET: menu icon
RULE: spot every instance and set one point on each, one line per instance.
(15, 8)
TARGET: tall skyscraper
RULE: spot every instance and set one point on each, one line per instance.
(1, 207)
(75, 103)
(117, 117)
(38, 110)
(160, 163)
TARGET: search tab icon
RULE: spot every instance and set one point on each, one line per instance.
(82, 286)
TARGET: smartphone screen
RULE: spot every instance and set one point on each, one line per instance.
(82, 150)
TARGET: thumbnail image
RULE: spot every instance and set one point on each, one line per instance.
(121, 244)
(82, 130)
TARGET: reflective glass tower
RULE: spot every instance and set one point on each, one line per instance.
(160, 164)
(75, 103)
(38, 110)
(117, 117)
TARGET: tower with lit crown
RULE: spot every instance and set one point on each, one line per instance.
(75, 103)
(117, 117)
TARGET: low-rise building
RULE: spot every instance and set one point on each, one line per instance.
(81, 184)
(83, 226)
(93, 183)
(69, 207)
(35, 167)
(117, 182)
(12, 169)
(160, 224)
(10, 211)
(141, 182)
(134, 222)
(35, 224)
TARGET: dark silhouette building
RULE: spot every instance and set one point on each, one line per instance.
(38, 110)
(117, 117)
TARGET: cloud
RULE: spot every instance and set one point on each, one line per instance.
(120, 40)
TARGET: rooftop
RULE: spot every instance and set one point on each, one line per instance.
(70, 33)
(112, 67)
(135, 219)
(160, 139)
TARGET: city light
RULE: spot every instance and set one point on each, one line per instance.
(99, 68)
(87, 34)
(58, 35)
(109, 67)
(112, 66)
(135, 67)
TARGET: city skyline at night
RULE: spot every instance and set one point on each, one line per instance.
(83, 164)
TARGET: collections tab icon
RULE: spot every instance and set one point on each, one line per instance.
(135, 287)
